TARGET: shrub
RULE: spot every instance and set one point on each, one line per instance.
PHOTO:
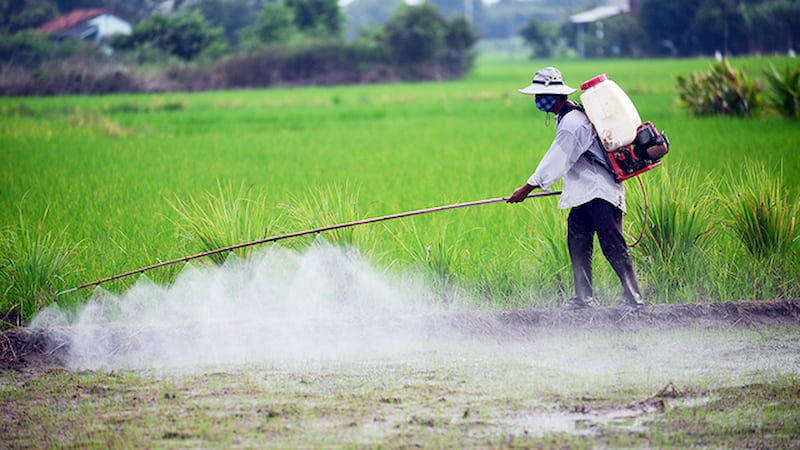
(723, 90)
(784, 91)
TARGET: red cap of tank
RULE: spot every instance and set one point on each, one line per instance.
(594, 81)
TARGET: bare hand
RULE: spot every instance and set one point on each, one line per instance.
(520, 194)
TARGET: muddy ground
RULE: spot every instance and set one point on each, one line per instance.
(32, 349)
(707, 375)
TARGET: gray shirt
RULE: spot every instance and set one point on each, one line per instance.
(585, 179)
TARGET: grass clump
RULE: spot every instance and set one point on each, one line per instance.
(229, 217)
(783, 93)
(761, 215)
(327, 206)
(33, 264)
(438, 252)
(677, 228)
(723, 90)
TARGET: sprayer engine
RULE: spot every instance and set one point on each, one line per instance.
(643, 154)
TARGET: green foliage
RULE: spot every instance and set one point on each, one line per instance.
(331, 205)
(438, 252)
(406, 151)
(714, 24)
(783, 93)
(185, 35)
(418, 38)
(33, 264)
(677, 234)
(723, 90)
(317, 18)
(26, 48)
(275, 24)
(415, 35)
(229, 218)
(541, 37)
(19, 15)
(232, 16)
(763, 214)
(460, 39)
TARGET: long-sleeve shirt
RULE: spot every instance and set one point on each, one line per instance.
(585, 178)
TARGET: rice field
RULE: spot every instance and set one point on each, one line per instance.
(300, 344)
(114, 183)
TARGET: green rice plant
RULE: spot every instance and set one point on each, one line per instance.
(723, 90)
(549, 275)
(438, 252)
(763, 214)
(676, 216)
(783, 93)
(230, 217)
(33, 264)
(331, 205)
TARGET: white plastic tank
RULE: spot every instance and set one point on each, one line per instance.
(611, 112)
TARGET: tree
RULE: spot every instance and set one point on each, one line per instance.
(184, 35)
(773, 26)
(232, 15)
(718, 25)
(415, 35)
(665, 24)
(20, 15)
(541, 37)
(460, 38)
(275, 24)
(25, 48)
(320, 18)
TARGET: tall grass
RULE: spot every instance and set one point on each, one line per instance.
(330, 205)
(33, 264)
(762, 215)
(438, 252)
(229, 217)
(677, 231)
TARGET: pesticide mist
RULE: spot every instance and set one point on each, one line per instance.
(330, 306)
(277, 304)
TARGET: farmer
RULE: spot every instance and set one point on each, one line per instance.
(595, 199)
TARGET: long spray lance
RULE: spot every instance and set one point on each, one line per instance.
(300, 233)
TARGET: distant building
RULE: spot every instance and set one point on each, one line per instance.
(93, 25)
(610, 9)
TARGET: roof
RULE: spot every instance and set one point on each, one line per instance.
(74, 18)
(595, 14)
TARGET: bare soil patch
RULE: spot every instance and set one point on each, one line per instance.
(33, 349)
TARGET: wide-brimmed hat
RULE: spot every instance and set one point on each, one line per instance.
(548, 81)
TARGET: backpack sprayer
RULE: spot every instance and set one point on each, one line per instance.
(632, 147)
(299, 233)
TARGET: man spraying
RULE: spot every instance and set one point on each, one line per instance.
(595, 199)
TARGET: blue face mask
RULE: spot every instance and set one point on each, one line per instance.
(546, 102)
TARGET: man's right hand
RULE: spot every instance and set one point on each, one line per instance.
(521, 193)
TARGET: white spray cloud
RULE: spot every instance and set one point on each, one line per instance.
(325, 302)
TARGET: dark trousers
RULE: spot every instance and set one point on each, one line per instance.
(604, 219)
